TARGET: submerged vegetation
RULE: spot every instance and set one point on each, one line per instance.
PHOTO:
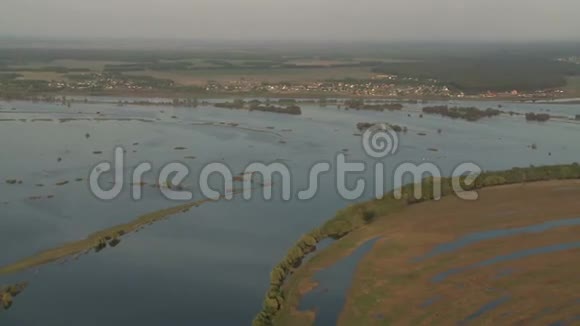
(256, 105)
(8, 293)
(95, 242)
(100, 240)
(465, 113)
(360, 104)
(363, 126)
(359, 215)
(540, 117)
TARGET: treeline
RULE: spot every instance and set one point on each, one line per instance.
(176, 102)
(9, 76)
(17, 87)
(363, 126)
(13, 88)
(256, 105)
(360, 104)
(359, 215)
(57, 69)
(465, 113)
(334, 65)
(110, 77)
(202, 64)
(142, 66)
(540, 117)
(217, 64)
(488, 72)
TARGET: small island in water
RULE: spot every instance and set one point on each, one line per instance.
(257, 105)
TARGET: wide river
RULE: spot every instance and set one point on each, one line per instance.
(211, 265)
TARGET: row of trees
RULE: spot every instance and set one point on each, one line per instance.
(541, 117)
(466, 113)
(363, 126)
(356, 216)
(256, 105)
(359, 104)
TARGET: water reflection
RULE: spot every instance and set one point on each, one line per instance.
(221, 259)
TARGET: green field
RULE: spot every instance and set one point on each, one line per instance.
(573, 85)
(469, 68)
(201, 77)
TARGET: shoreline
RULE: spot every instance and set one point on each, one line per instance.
(415, 246)
(303, 280)
(169, 96)
(352, 221)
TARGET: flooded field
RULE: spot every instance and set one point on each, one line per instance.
(510, 258)
(88, 261)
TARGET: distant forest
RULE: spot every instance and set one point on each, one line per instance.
(491, 72)
(471, 68)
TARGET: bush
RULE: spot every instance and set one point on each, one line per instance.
(277, 276)
(466, 113)
(6, 300)
(337, 229)
(541, 117)
(494, 180)
(263, 319)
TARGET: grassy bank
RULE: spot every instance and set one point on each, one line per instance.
(283, 295)
(100, 240)
(439, 262)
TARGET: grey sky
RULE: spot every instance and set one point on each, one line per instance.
(375, 20)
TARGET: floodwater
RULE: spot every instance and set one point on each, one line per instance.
(211, 265)
(485, 309)
(328, 301)
(507, 258)
(474, 238)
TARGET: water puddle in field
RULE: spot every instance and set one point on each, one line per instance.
(506, 258)
(329, 297)
(495, 234)
(485, 309)
(431, 301)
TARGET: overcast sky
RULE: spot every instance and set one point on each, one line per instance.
(368, 20)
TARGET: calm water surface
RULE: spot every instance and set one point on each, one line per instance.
(209, 266)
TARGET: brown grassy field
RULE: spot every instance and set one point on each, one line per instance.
(391, 288)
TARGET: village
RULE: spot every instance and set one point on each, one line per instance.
(388, 86)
